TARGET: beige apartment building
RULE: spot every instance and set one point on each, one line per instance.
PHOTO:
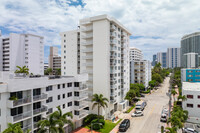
(54, 59)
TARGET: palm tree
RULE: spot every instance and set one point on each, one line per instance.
(23, 69)
(175, 122)
(58, 71)
(173, 92)
(171, 130)
(99, 101)
(63, 117)
(49, 125)
(13, 128)
(183, 98)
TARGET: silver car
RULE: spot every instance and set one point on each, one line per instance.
(137, 113)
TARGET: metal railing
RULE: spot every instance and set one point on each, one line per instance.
(40, 97)
(83, 113)
(40, 110)
(82, 96)
(21, 101)
(22, 116)
(25, 128)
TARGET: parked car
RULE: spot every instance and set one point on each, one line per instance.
(142, 95)
(140, 106)
(163, 118)
(137, 113)
(189, 130)
(124, 125)
(165, 111)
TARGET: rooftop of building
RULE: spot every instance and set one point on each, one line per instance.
(190, 35)
(134, 48)
(101, 17)
(191, 86)
(190, 68)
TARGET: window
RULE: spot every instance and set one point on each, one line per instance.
(18, 94)
(49, 88)
(64, 57)
(50, 99)
(198, 96)
(69, 104)
(64, 51)
(64, 40)
(69, 84)
(64, 35)
(36, 105)
(198, 105)
(63, 106)
(36, 92)
(50, 111)
(64, 46)
(69, 94)
(16, 111)
(58, 86)
(58, 97)
(76, 93)
(76, 103)
(63, 95)
(190, 105)
(190, 75)
(190, 80)
(63, 85)
(190, 96)
(76, 112)
(76, 84)
(189, 71)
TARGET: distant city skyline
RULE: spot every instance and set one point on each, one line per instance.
(155, 25)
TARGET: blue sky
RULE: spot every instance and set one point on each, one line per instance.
(155, 24)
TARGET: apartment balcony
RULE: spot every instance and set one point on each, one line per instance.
(113, 41)
(113, 94)
(113, 34)
(113, 101)
(40, 110)
(112, 27)
(88, 50)
(35, 125)
(113, 57)
(40, 97)
(123, 34)
(26, 127)
(83, 114)
(113, 71)
(19, 102)
(113, 80)
(113, 86)
(86, 43)
(86, 29)
(20, 117)
(88, 64)
(123, 40)
(113, 63)
(81, 88)
(87, 36)
(81, 97)
(88, 57)
(113, 49)
(81, 106)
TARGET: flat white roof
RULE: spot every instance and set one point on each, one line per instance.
(191, 86)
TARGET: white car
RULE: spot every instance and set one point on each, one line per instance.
(137, 113)
(189, 130)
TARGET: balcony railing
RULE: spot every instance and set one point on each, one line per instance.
(22, 116)
(25, 128)
(112, 49)
(86, 29)
(82, 87)
(112, 27)
(40, 97)
(113, 34)
(83, 113)
(20, 101)
(80, 97)
(40, 110)
(87, 57)
(113, 41)
(88, 50)
(81, 106)
(87, 42)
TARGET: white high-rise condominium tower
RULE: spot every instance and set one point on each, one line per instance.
(135, 54)
(100, 48)
(22, 50)
(173, 57)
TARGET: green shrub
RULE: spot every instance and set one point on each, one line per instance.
(96, 126)
(146, 92)
(13, 98)
(87, 120)
(100, 121)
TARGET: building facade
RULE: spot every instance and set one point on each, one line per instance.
(54, 59)
(190, 44)
(70, 52)
(190, 75)
(140, 72)
(37, 97)
(104, 55)
(154, 62)
(22, 50)
(192, 93)
(173, 57)
(46, 65)
(135, 54)
(162, 59)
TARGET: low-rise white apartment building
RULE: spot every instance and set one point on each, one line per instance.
(22, 50)
(192, 93)
(100, 48)
(37, 97)
(140, 72)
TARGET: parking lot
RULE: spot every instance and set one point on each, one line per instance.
(193, 126)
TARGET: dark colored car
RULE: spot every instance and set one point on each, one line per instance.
(124, 125)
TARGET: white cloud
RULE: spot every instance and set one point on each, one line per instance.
(167, 19)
